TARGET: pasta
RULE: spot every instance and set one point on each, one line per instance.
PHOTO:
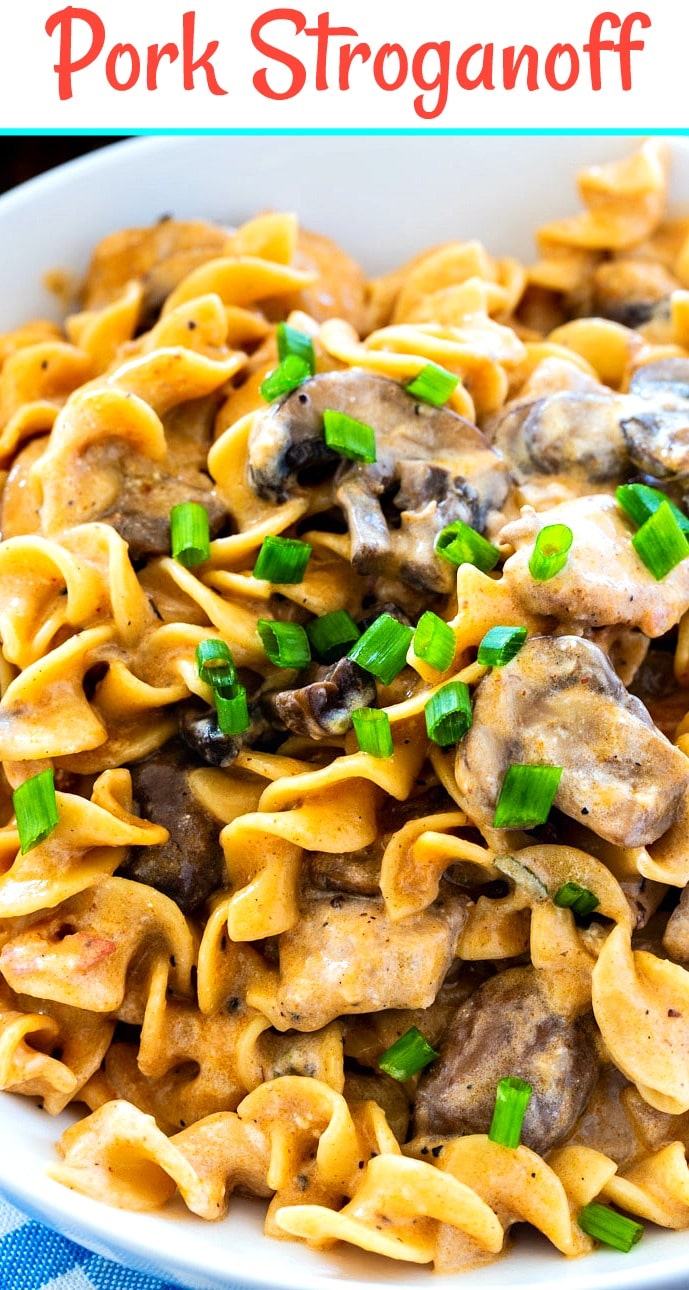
(426, 795)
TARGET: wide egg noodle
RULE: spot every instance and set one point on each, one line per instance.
(234, 1043)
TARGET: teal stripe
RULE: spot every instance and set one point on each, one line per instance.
(113, 130)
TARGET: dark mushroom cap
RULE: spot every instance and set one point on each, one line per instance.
(432, 467)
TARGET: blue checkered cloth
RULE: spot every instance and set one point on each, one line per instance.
(33, 1257)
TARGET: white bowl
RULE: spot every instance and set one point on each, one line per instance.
(383, 198)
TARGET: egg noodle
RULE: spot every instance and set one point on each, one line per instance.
(225, 933)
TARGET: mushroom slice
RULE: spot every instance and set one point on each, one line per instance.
(657, 431)
(572, 432)
(432, 466)
(324, 705)
(604, 581)
(559, 703)
(508, 1026)
(145, 497)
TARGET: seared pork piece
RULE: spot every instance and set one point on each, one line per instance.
(507, 1027)
(346, 956)
(604, 582)
(324, 704)
(434, 466)
(631, 292)
(191, 864)
(157, 257)
(559, 703)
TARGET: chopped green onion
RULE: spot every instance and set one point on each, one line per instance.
(433, 384)
(407, 1056)
(660, 542)
(461, 544)
(282, 560)
(349, 437)
(215, 663)
(332, 634)
(296, 344)
(434, 641)
(286, 644)
(526, 796)
(382, 650)
(511, 1100)
(35, 806)
(372, 728)
(500, 645)
(448, 713)
(640, 502)
(190, 540)
(580, 900)
(232, 709)
(606, 1225)
(550, 552)
(291, 373)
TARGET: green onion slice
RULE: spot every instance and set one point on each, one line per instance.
(295, 344)
(382, 650)
(640, 502)
(332, 634)
(407, 1056)
(35, 806)
(433, 384)
(580, 900)
(526, 796)
(660, 542)
(372, 728)
(500, 645)
(215, 663)
(606, 1225)
(351, 438)
(282, 560)
(286, 644)
(232, 709)
(448, 713)
(550, 552)
(434, 641)
(511, 1100)
(289, 375)
(190, 540)
(461, 544)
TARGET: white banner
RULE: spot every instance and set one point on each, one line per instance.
(119, 65)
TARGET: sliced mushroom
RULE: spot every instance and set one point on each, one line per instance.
(604, 582)
(507, 1027)
(201, 733)
(351, 958)
(588, 434)
(190, 865)
(145, 497)
(657, 432)
(575, 433)
(323, 706)
(432, 466)
(559, 703)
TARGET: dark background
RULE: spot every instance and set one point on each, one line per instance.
(22, 157)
